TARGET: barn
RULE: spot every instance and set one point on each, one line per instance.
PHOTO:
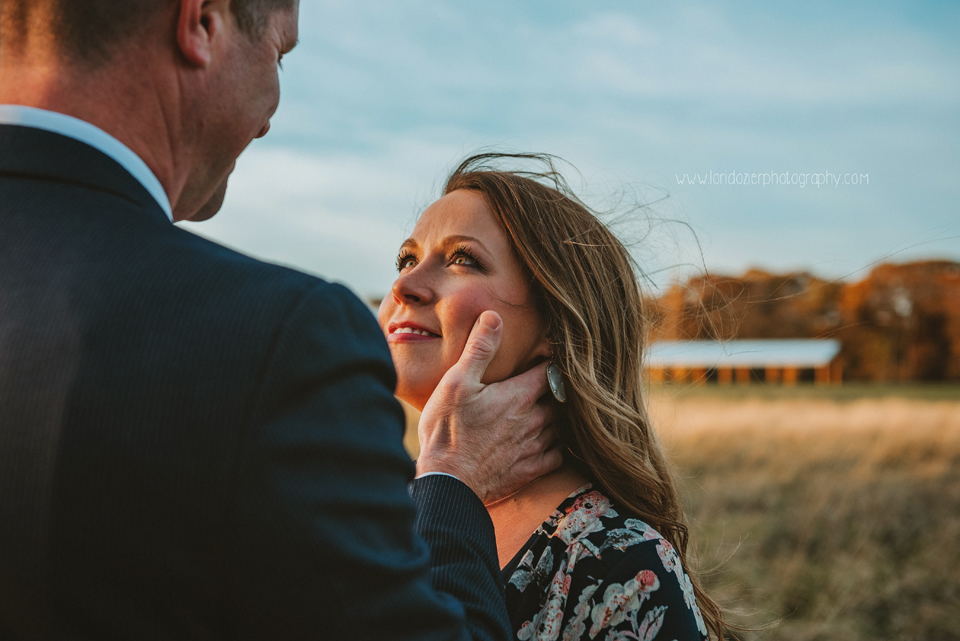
(783, 362)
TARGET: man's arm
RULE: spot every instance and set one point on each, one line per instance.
(446, 508)
(325, 542)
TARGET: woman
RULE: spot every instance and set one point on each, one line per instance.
(596, 549)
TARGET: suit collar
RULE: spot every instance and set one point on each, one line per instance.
(27, 151)
(92, 135)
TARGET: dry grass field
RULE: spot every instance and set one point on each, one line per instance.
(840, 519)
(835, 514)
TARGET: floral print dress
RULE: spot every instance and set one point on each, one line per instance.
(592, 573)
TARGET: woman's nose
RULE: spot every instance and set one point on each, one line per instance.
(412, 287)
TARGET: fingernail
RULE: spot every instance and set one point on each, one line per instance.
(490, 320)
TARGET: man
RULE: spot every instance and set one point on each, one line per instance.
(194, 444)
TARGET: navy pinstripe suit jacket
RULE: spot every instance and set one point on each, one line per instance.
(198, 445)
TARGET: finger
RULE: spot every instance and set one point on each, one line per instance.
(549, 460)
(547, 437)
(481, 347)
(552, 459)
(538, 462)
(541, 416)
(534, 442)
(530, 385)
(546, 414)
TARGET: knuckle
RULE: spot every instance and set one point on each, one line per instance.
(480, 346)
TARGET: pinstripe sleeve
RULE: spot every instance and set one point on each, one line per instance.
(463, 552)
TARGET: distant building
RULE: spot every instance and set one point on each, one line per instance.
(899, 323)
(774, 361)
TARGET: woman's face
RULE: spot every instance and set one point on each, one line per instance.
(457, 263)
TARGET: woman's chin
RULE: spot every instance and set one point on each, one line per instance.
(415, 397)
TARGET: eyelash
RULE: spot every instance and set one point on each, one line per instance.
(403, 258)
(461, 250)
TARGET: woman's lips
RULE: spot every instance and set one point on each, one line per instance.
(410, 334)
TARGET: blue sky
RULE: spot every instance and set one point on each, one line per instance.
(381, 99)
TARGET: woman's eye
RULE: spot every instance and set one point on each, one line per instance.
(462, 260)
(406, 262)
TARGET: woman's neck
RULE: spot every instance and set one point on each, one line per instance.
(517, 517)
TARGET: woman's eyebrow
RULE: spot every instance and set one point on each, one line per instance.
(462, 239)
(410, 243)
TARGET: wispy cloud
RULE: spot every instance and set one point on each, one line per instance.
(382, 98)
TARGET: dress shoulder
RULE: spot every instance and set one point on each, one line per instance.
(591, 571)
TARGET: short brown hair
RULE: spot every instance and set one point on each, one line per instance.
(91, 31)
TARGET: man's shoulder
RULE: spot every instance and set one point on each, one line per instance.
(225, 272)
(277, 307)
(196, 252)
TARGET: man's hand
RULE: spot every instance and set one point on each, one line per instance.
(495, 438)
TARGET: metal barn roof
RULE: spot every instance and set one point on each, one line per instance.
(743, 353)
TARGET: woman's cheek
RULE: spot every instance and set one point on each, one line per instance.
(458, 322)
(464, 316)
(384, 313)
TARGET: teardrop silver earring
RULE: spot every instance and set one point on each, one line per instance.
(555, 381)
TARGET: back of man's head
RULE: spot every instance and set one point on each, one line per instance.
(91, 32)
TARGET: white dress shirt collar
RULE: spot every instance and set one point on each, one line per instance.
(90, 135)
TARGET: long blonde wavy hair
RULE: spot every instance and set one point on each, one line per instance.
(585, 286)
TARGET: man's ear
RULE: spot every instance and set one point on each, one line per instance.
(200, 22)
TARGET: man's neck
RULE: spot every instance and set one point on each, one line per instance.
(110, 99)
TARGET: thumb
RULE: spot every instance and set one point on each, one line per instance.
(481, 347)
